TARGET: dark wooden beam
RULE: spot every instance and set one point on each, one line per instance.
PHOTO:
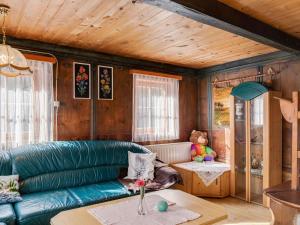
(97, 57)
(217, 14)
(248, 62)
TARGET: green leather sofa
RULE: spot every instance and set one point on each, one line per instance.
(62, 175)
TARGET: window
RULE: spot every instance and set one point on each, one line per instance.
(155, 108)
(26, 107)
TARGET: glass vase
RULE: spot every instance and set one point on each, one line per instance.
(141, 206)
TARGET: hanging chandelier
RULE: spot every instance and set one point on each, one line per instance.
(12, 62)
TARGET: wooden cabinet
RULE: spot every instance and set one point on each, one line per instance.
(192, 184)
(219, 188)
(255, 155)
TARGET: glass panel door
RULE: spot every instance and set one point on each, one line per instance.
(240, 147)
(256, 149)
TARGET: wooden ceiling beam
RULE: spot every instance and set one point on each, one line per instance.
(220, 15)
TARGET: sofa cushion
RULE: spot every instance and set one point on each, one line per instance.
(91, 194)
(69, 178)
(38, 208)
(7, 214)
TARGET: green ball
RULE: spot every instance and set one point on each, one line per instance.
(162, 206)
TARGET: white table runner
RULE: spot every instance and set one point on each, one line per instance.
(125, 213)
(208, 172)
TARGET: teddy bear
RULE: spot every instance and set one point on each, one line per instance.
(199, 151)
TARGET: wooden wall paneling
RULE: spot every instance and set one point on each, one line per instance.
(100, 119)
(202, 105)
(114, 118)
(187, 107)
(209, 105)
(218, 143)
(74, 115)
(94, 97)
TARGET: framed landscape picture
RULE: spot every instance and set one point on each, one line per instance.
(221, 106)
(105, 83)
(81, 80)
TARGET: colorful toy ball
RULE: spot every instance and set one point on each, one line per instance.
(162, 206)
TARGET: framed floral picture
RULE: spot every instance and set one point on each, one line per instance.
(105, 83)
(81, 80)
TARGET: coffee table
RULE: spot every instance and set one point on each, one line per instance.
(211, 213)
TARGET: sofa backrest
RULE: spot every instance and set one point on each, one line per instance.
(5, 163)
(61, 164)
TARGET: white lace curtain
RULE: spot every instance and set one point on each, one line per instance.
(26, 107)
(155, 108)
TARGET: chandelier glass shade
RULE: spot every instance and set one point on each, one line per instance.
(12, 62)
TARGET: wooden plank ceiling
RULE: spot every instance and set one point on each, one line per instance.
(136, 30)
(281, 14)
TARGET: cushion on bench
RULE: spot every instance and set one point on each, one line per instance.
(7, 214)
(94, 193)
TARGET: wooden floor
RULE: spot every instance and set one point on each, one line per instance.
(243, 213)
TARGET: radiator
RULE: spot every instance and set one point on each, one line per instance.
(172, 152)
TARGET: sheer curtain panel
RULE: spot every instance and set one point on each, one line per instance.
(26, 107)
(155, 108)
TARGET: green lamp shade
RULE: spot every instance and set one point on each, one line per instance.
(248, 90)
